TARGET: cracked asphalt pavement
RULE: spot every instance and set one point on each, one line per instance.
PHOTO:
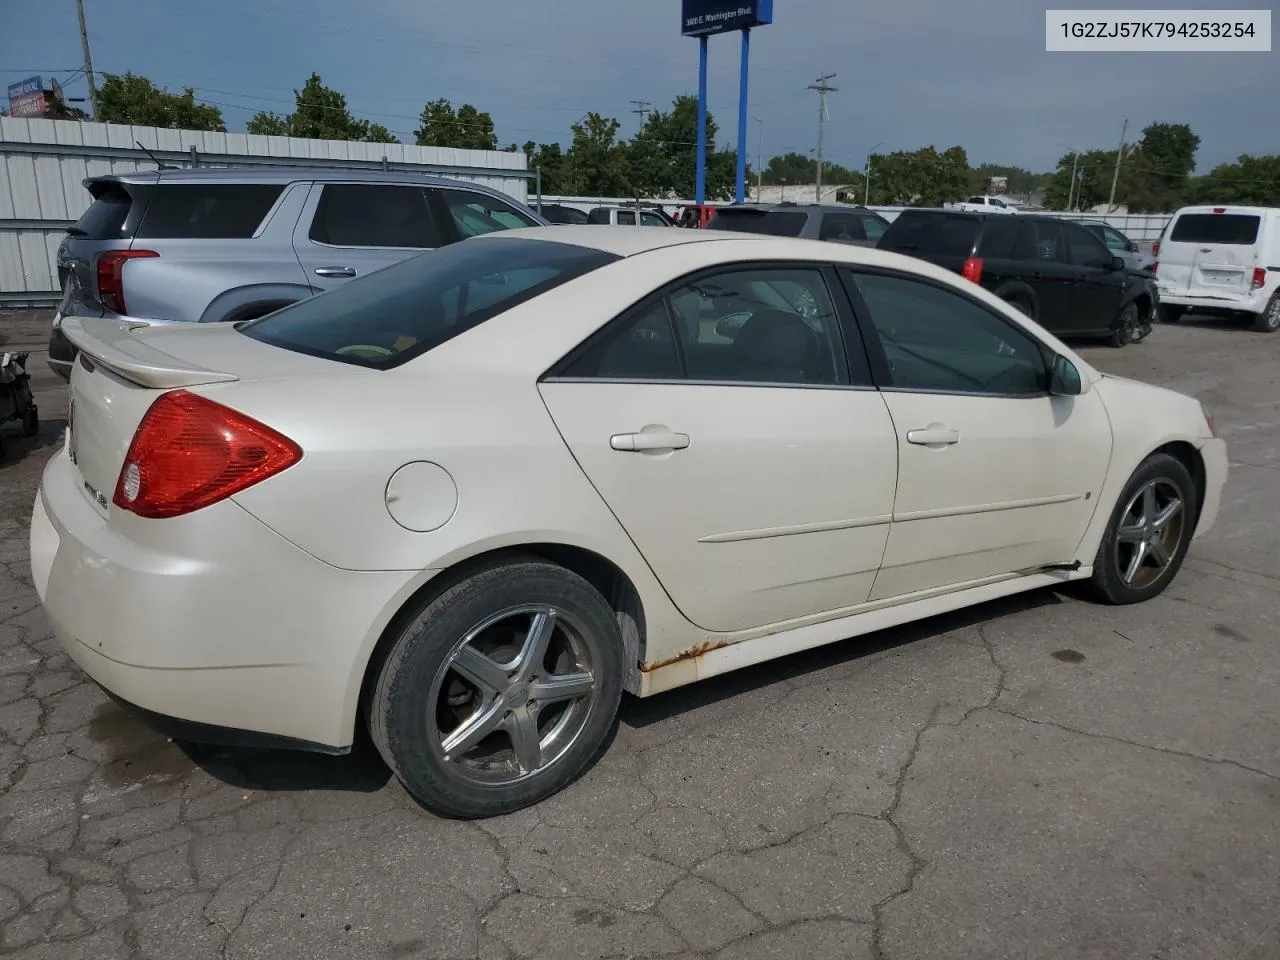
(1034, 778)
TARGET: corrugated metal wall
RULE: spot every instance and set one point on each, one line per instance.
(43, 164)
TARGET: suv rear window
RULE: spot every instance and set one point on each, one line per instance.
(207, 211)
(388, 317)
(1216, 228)
(104, 220)
(930, 235)
(775, 223)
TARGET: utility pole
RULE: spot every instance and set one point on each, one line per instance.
(642, 107)
(866, 174)
(823, 89)
(759, 157)
(1111, 203)
(88, 63)
(1071, 191)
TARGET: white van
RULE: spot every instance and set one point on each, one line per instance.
(1223, 259)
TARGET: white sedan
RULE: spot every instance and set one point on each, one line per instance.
(472, 498)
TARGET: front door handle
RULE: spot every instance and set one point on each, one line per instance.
(649, 440)
(335, 271)
(934, 435)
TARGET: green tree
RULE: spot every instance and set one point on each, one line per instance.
(129, 98)
(920, 178)
(1156, 172)
(796, 168)
(1021, 180)
(551, 158)
(1249, 180)
(596, 163)
(320, 113)
(468, 128)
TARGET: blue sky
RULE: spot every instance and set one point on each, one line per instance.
(909, 73)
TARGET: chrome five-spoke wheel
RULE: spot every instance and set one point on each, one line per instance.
(1149, 534)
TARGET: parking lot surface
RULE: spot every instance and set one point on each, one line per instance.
(1034, 778)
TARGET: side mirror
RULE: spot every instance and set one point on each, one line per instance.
(1117, 263)
(1131, 247)
(1064, 378)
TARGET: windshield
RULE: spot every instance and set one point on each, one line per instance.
(1215, 228)
(395, 314)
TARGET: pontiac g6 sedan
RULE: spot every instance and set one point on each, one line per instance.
(469, 500)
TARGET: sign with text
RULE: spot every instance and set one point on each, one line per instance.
(26, 98)
(700, 18)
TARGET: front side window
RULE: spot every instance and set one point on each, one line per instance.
(1085, 249)
(386, 318)
(1041, 240)
(1115, 240)
(845, 227)
(765, 326)
(626, 218)
(873, 227)
(936, 340)
(374, 215)
(478, 213)
(648, 219)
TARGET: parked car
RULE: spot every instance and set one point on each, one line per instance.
(472, 498)
(986, 204)
(1223, 259)
(226, 245)
(694, 216)
(627, 217)
(1120, 245)
(841, 223)
(558, 213)
(1054, 271)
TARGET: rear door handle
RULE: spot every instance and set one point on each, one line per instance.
(649, 440)
(934, 435)
(335, 271)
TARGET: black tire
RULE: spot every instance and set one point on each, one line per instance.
(416, 688)
(1171, 314)
(1022, 305)
(1110, 582)
(1268, 321)
(31, 421)
(1123, 334)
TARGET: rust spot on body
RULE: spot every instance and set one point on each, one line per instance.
(693, 653)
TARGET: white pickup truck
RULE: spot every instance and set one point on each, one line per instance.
(985, 204)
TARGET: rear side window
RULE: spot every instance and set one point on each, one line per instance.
(207, 211)
(626, 218)
(374, 215)
(598, 216)
(104, 220)
(931, 235)
(775, 223)
(399, 312)
(1238, 228)
(841, 226)
(999, 236)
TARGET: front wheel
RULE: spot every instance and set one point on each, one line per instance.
(500, 691)
(1268, 321)
(1148, 533)
(1123, 334)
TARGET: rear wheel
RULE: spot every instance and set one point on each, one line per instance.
(1268, 321)
(500, 691)
(1148, 534)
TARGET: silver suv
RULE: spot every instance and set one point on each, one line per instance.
(227, 245)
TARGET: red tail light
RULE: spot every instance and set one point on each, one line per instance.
(1155, 268)
(972, 269)
(111, 276)
(189, 453)
(1219, 209)
(1155, 249)
(1259, 278)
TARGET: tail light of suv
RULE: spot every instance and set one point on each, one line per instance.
(189, 453)
(972, 269)
(111, 276)
(1155, 248)
(1259, 278)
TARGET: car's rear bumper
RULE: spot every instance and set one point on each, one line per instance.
(62, 352)
(1214, 454)
(1254, 302)
(244, 635)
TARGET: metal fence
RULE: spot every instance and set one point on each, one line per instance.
(43, 164)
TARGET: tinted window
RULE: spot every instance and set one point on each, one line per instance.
(627, 218)
(1041, 240)
(841, 226)
(746, 326)
(207, 211)
(651, 220)
(874, 227)
(931, 235)
(374, 215)
(775, 223)
(1115, 240)
(598, 215)
(477, 213)
(935, 339)
(385, 318)
(104, 220)
(999, 237)
(1086, 250)
(557, 214)
(1215, 228)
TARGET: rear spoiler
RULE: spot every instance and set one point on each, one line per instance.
(112, 344)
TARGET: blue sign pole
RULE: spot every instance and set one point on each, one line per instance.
(700, 188)
(740, 188)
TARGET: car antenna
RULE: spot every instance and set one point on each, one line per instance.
(159, 165)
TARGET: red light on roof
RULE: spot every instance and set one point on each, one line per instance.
(1219, 209)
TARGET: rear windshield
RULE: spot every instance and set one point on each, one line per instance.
(390, 316)
(1216, 228)
(930, 235)
(775, 223)
(104, 220)
(212, 211)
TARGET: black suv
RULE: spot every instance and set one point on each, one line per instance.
(1056, 272)
(840, 223)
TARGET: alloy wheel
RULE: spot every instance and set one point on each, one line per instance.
(513, 695)
(1150, 533)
